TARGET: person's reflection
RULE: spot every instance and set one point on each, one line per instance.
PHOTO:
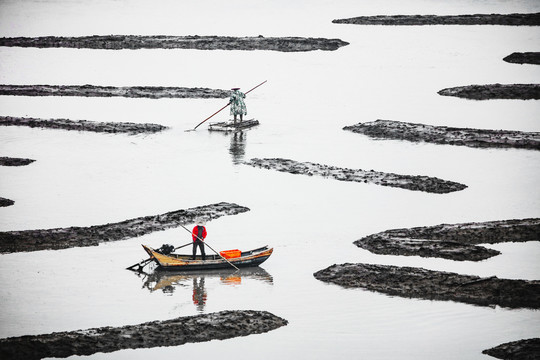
(238, 147)
(199, 293)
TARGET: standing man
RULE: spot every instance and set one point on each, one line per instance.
(198, 234)
(238, 106)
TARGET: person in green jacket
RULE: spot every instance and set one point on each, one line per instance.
(238, 106)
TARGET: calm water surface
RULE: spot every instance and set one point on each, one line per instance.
(82, 179)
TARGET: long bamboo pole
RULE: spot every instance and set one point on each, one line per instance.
(247, 92)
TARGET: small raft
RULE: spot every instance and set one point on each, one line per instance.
(184, 262)
(231, 126)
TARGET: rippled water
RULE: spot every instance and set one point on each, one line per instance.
(82, 179)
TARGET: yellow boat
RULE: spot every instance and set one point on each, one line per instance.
(184, 262)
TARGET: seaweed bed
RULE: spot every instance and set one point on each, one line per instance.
(523, 58)
(174, 332)
(63, 238)
(6, 202)
(521, 349)
(116, 42)
(409, 182)
(478, 138)
(455, 242)
(494, 91)
(9, 161)
(531, 19)
(152, 92)
(435, 285)
(82, 125)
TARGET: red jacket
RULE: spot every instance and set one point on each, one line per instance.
(195, 233)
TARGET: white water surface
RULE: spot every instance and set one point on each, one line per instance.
(83, 179)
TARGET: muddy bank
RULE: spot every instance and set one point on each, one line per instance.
(82, 125)
(521, 349)
(523, 58)
(435, 285)
(409, 182)
(63, 238)
(150, 92)
(191, 329)
(9, 161)
(451, 241)
(475, 19)
(494, 91)
(116, 42)
(478, 138)
(6, 202)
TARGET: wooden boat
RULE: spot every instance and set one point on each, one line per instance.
(184, 262)
(231, 126)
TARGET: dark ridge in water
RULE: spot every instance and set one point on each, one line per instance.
(420, 283)
(477, 138)
(455, 242)
(409, 182)
(150, 92)
(532, 19)
(63, 238)
(190, 329)
(9, 161)
(6, 202)
(523, 58)
(116, 42)
(521, 349)
(494, 91)
(82, 125)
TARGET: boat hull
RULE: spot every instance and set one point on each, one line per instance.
(230, 126)
(212, 262)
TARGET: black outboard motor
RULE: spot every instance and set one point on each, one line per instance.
(165, 249)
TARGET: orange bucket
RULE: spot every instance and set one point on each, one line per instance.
(230, 254)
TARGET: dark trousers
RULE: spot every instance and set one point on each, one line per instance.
(200, 244)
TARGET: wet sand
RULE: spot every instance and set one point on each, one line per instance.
(455, 241)
(192, 329)
(494, 91)
(9, 161)
(521, 349)
(478, 138)
(409, 182)
(150, 92)
(523, 58)
(82, 125)
(63, 238)
(435, 285)
(476, 19)
(116, 42)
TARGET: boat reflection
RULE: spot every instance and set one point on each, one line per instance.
(169, 281)
(238, 147)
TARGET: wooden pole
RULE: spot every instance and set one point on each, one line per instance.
(195, 128)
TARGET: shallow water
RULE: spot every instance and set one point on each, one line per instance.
(82, 179)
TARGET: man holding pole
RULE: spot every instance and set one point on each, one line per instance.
(199, 234)
(238, 106)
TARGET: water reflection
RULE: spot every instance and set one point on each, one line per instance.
(168, 281)
(238, 147)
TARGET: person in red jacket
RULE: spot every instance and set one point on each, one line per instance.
(199, 234)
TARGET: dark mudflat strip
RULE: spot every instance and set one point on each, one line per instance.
(478, 138)
(476, 19)
(150, 92)
(9, 161)
(6, 202)
(409, 182)
(523, 58)
(83, 125)
(522, 349)
(117, 42)
(494, 91)
(63, 238)
(191, 329)
(455, 241)
(435, 285)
